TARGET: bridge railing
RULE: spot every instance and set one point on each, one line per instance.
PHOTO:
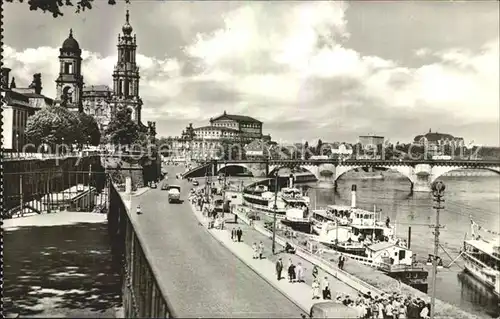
(143, 297)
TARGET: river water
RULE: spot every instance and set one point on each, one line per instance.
(477, 197)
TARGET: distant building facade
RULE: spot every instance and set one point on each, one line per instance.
(206, 142)
(371, 140)
(435, 138)
(97, 103)
(435, 142)
(17, 105)
(343, 151)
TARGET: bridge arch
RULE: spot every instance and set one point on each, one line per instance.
(438, 171)
(247, 168)
(310, 168)
(406, 171)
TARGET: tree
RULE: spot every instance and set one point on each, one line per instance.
(319, 150)
(55, 6)
(122, 130)
(90, 134)
(306, 150)
(53, 125)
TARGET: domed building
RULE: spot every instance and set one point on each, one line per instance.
(101, 101)
(69, 84)
(435, 138)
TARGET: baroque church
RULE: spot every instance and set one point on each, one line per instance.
(100, 101)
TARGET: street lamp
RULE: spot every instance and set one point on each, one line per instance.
(437, 192)
(17, 144)
(275, 208)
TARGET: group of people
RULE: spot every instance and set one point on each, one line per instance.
(386, 306)
(236, 234)
(295, 272)
(258, 250)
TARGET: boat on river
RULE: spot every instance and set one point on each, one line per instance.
(360, 235)
(482, 260)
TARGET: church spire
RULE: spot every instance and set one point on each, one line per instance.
(127, 28)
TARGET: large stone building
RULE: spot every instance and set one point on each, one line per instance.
(435, 142)
(97, 103)
(17, 105)
(205, 142)
(438, 139)
(99, 100)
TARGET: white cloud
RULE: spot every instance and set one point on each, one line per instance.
(422, 52)
(290, 64)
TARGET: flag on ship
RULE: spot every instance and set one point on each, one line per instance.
(479, 227)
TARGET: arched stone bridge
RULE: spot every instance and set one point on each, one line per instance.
(421, 174)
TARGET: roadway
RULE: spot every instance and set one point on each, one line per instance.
(202, 277)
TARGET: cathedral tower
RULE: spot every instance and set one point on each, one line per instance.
(69, 84)
(126, 74)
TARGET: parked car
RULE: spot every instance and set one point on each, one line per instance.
(218, 205)
(331, 309)
(152, 184)
(174, 194)
(195, 183)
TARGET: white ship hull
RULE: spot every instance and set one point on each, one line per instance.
(480, 275)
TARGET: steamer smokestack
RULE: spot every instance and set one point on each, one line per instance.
(353, 196)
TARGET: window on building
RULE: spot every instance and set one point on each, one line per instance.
(126, 87)
(68, 68)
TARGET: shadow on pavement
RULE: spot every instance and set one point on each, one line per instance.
(56, 268)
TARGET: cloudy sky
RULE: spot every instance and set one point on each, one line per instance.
(306, 69)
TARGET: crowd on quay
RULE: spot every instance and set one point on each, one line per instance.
(368, 306)
(383, 306)
(386, 306)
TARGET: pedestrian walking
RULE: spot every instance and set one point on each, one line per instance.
(279, 268)
(315, 289)
(299, 271)
(291, 272)
(326, 289)
(233, 235)
(261, 250)
(315, 272)
(239, 233)
(254, 248)
(341, 262)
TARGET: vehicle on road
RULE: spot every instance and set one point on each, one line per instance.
(174, 194)
(331, 309)
(218, 205)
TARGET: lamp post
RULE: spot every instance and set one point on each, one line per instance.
(275, 208)
(437, 192)
(17, 144)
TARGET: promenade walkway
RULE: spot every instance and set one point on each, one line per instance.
(201, 277)
(299, 293)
